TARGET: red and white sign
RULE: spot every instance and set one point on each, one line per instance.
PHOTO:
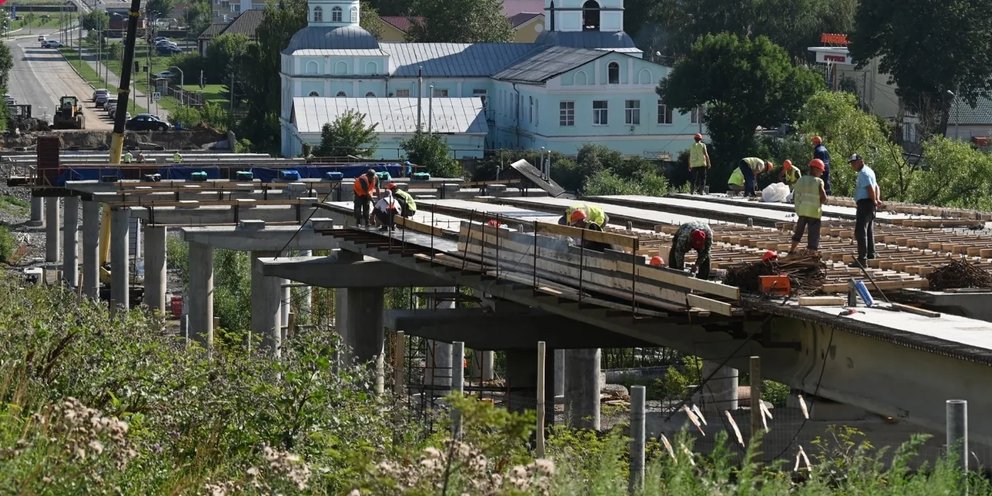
(832, 55)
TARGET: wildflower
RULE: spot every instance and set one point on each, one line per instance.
(96, 446)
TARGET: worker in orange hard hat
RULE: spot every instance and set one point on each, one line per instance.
(790, 174)
(578, 218)
(657, 261)
(820, 152)
(699, 163)
(692, 236)
(809, 197)
(752, 167)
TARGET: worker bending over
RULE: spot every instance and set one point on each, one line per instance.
(366, 187)
(809, 197)
(692, 236)
(752, 167)
(386, 210)
(579, 219)
(409, 207)
(790, 175)
(735, 184)
(594, 215)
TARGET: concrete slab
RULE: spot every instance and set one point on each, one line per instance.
(947, 328)
(829, 211)
(619, 214)
(340, 270)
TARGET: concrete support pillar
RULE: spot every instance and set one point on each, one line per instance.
(341, 314)
(201, 294)
(482, 365)
(304, 308)
(52, 229)
(286, 304)
(521, 378)
(266, 307)
(91, 249)
(120, 272)
(559, 374)
(70, 238)
(719, 393)
(582, 369)
(155, 268)
(438, 368)
(37, 212)
(365, 332)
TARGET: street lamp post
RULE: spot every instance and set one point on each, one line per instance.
(182, 85)
(957, 112)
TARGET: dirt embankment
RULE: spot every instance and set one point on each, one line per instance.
(196, 139)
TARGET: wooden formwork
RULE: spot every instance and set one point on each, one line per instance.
(915, 209)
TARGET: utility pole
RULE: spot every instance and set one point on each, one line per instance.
(420, 96)
(430, 110)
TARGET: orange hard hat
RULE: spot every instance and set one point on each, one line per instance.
(817, 164)
(768, 166)
(390, 185)
(698, 239)
(492, 223)
(657, 261)
(698, 137)
(787, 165)
(817, 140)
(577, 216)
(769, 255)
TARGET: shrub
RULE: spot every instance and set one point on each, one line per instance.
(7, 244)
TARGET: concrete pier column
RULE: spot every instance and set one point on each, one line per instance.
(52, 229)
(521, 377)
(91, 249)
(365, 333)
(482, 365)
(582, 369)
(37, 212)
(70, 239)
(286, 304)
(720, 392)
(266, 307)
(341, 314)
(304, 308)
(559, 374)
(155, 268)
(201, 294)
(120, 273)
(438, 368)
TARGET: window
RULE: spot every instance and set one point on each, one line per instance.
(566, 114)
(632, 112)
(664, 113)
(354, 15)
(370, 95)
(600, 113)
(590, 16)
(318, 14)
(481, 93)
(613, 71)
(341, 94)
(530, 109)
(402, 93)
(314, 93)
(336, 14)
(696, 115)
(440, 93)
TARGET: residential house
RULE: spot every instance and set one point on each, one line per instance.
(245, 24)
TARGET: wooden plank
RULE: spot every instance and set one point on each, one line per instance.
(717, 307)
(620, 240)
(915, 310)
(822, 301)
(423, 228)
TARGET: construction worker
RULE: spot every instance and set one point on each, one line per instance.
(595, 215)
(177, 158)
(141, 156)
(128, 158)
(405, 199)
(386, 210)
(578, 218)
(735, 184)
(699, 163)
(867, 198)
(790, 174)
(809, 196)
(692, 236)
(820, 152)
(752, 167)
(366, 188)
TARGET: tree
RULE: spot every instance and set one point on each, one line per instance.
(954, 175)
(959, 60)
(458, 21)
(6, 64)
(432, 152)
(224, 56)
(95, 20)
(743, 84)
(159, 8)
(370, 20)
(198, 16)
(348, 136)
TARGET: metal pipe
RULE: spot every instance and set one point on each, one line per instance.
(957, 431)
(541, 351)
(638, 433)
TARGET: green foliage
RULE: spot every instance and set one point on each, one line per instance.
(846, 129)
(432, 152)
(95, 20)
(224, 55)
(6, 64)
(959, 60)
(370, 20)
(677, 379)
(7, 244)
(775, 393)
(954, 175)
(348, 136)
(210, 115)
(159, 8)
(232, 289)
(609, 172)
(458, 21)
(767, 90)
(197, 16)
(177, 257)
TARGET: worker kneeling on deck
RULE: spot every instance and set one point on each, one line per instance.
(580, 220)
(809, 197)
(408, 206)
(386, 210)
(692, 236)
(594, 215)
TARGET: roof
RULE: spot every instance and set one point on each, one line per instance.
(453, 59)
(514, 7)
(966, 115)
(393, 115)
(212, 30)
(587, 39)
(522, 18)
(329, 37)
(246, 23)
(548, 63)
(337, 52)
(401, 23)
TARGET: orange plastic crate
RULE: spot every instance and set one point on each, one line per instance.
(775, 285)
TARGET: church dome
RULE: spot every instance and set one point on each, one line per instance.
(351, 37)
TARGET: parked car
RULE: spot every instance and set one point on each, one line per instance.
(100, 96)
(109, 103)
(51, 44)
(112, 110)
(42, 37)
(164, 75)
(9, 100)
(168, 49)
(146, 122)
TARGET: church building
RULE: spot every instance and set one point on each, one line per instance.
(582, 81)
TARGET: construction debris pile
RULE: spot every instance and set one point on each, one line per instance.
(959, 274)
(806, 274)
